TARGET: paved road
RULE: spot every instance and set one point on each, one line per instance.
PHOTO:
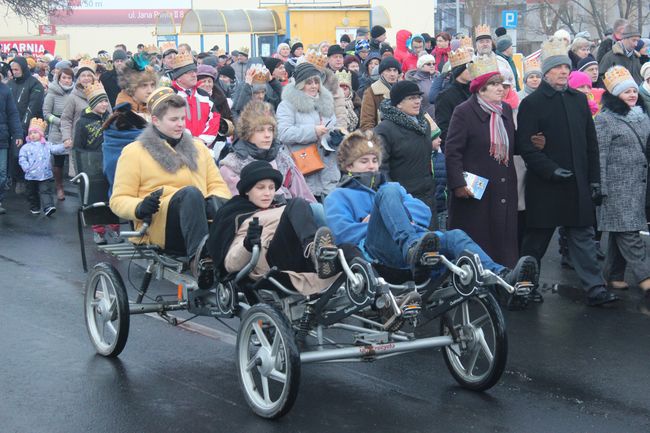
(571, 368)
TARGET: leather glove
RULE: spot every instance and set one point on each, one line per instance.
(149, 205)
(596, 194)
(253, 235)
(561, 174)
(336, 137)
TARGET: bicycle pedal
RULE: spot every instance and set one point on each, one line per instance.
(206, 264)
(523, 288)
(328, 253)
(411, 310)
(430, 259)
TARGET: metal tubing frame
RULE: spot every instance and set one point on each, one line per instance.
(375, 351)
(155, 308)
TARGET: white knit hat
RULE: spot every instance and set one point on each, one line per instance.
(425, 58)
(645, 71)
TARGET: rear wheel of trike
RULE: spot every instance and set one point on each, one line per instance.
(106, 308)
(478, 357)
(268, 361)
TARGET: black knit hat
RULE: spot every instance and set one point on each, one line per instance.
(385, 48)
(586, 62)
(227, 71)
(304, 71)
(390, 62)
(401, 90)
(345, 38)
(256, 171)
(295, 46)
(377, 31)
(271, 63)
(335, 49)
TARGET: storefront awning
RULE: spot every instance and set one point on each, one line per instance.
(211, 21)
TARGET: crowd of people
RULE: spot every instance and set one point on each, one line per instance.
(435, 144)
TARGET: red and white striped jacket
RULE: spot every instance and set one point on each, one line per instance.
(201, 120)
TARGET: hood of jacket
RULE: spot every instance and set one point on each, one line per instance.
(323, 104)
(171, 160)
(56, 89)
(401, 119)
(616, 105)
(372, 55)
(418, 75)
(23, 67)
(401, 38)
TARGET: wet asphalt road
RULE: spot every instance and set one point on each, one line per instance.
(570, 368)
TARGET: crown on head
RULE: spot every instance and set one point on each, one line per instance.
(460, 57)
(87, 63)
(157, 96)
(483, 64)
(554, 47)
(482, 30)
(37, 123)
(169, 45)
(316, 58)
(344, 77)
(244, 50)
(181, 60)
(261, 74)
(616, 75)
(93, 90)
(532, 64)
(150, 49)
(466, 42)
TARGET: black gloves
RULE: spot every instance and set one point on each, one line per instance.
(253, 235)
(149, 205)
(596, 194)
(211, 207)
(561, 174)
(335, 139)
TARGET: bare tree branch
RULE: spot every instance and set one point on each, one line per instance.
(36, 10)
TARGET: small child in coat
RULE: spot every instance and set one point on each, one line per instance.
(35, 160)
(89, 136)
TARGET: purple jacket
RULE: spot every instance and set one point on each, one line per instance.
(34, 159)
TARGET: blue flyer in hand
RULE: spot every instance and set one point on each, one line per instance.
(476, 184)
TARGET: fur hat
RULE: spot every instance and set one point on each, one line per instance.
(133, 76)
(254, 114)
(355, 145)
(256, 171)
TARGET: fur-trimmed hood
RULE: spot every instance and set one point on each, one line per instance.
(618, 49)
(302, 103)
(401, 119)
(170, 159)
(617, 105)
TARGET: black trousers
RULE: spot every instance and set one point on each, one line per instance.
(295, 231)
(40, 194)
(186, 223)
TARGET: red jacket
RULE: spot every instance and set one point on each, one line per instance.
(202, 118)
(401, 52)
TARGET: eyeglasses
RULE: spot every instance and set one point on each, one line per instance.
(429, 64)
(413, 98)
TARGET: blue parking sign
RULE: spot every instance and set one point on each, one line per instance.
(509, 19)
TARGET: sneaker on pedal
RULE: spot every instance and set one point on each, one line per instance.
(525, 273)
(324, 254)
(99, 238)
(114, 236)
(426, 244)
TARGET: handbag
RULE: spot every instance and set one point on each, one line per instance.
(308, 160)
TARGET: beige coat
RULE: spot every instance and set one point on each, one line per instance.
(238, 256)
(372, 97)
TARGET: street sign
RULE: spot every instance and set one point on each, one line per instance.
(46, 29)
(509, 19)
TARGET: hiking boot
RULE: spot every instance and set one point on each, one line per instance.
(2, 210)
(428, 243)
(99, 238)
(201, 266)
(324, 253)
(525, 271)
(35, 211)
(49, 211)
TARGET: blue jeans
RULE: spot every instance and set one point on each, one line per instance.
(391, 233)
(4, 155)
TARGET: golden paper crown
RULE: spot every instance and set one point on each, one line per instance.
(554, 47)
(181, 60)
(93, 90)
(344, 77)
(244, 50)
(151, 49)
(157, 96)
(532, 64)
(37, 123)
(466, 42)
(261, 74)
(316, 58)
(87, 63)
(483, 64)
(168, 46)
(616, 75)
(482, 30)
(460, 57)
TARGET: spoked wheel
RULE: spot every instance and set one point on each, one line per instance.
(106, 309)
(478, 357)
(268, 361)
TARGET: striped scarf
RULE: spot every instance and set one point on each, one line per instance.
(499, 143)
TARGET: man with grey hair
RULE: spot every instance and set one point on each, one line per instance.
(624, 54)
(563, 178)
(606, 45)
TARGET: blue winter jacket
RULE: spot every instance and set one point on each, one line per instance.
(349, 204)
(114, 141)
(440, 175)
(10, 127)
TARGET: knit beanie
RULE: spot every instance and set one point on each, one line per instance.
(63, 64)
(350, 59)
(500, 31)
(645, 71)
(389, 62)
(586, 62)
(227, 71)
(629, 31)
(211, 61)
(271, 63)
(579, 79)
(361, 45)
(503, 43)
(356, 145)
(305, 71)
(401, 90)
(206, 71)
(377, 31)
(345, 38)
(256, 171)
(120, 55)
(426, 58)
(295, 46)
(362, 31)
(553, 61)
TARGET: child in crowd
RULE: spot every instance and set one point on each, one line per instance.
(439, 170)
(89, 137)
(582, 83)
(34, 159)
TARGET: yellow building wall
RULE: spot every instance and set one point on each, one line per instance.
(314, 27)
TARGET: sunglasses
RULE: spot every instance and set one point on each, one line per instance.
(429, 64)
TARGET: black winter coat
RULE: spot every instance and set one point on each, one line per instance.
(447, 100)
(10, 127)
(565, 120)
(109, 81)
(407, 154)
(28, 93)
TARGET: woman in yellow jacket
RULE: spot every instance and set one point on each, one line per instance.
(170, 178)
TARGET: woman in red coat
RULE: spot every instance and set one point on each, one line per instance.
(481, 141)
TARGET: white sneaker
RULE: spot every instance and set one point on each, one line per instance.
(99, 239)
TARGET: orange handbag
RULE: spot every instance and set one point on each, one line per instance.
(307, 160)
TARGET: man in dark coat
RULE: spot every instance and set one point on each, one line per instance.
(452, 96)
(624, 54)
(406, 141)
(617, 34)
(109, 79)
(564, 177)
(11, 131)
